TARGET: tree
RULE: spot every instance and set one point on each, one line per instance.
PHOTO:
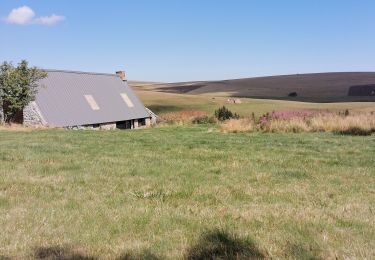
(18, 87)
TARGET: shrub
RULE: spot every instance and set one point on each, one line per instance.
(355, 130)
(292, 94)
(204, 120)
(224, 113)
(344, 113)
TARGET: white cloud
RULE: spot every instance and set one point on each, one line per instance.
(21, 15)
(50, 20)
(25, 15)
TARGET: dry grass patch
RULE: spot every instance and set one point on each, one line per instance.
(358, 124)
(15, 127)
(294, 125)
(238, 125)
(305, 121)
(187, 117)
(21, 128)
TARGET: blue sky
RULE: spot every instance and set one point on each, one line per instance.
(176, 40)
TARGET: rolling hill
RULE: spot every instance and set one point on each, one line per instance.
(318, 87)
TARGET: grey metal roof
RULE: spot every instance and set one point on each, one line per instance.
(61, 99)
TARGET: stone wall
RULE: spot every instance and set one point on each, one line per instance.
(32, 115)
(1, 116)
(154, 117)
(148, 122)
(108, 126)
(138, 125)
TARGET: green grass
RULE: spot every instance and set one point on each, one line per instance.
(180, 192)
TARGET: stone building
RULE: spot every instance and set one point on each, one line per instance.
(234, 101)
(92, 100)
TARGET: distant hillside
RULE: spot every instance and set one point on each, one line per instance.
(320, 87)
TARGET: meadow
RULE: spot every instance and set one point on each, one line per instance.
(318, 87)
(162, 103)
(189, 192)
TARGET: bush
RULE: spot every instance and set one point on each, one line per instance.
(204, 120)
(344, 113)
(292, 94)
(224, 113)
(355, 130)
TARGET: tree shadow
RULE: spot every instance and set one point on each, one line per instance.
(180, 88)
(219, 244)
(214, 244)
(146, 255)
(60, 253)
(298, 251)
(164, 108)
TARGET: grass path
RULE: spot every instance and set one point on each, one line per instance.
(178, 192)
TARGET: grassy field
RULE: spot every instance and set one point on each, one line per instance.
(318, 87)
(170, 102)
(185, 192)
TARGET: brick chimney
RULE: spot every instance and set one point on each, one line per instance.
(121, 74)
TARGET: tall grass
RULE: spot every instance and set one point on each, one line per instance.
(182, 117)
(238, 125)
(360, 124)
(294, 125)
(305, 121)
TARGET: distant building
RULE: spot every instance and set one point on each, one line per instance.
(234, 100)
(81, 99)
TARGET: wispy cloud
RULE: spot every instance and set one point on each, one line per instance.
(50, 20)
(25, 15)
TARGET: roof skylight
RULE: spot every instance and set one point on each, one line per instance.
(127, 100)
(90, 99)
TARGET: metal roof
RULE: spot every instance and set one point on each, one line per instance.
(61, 99)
